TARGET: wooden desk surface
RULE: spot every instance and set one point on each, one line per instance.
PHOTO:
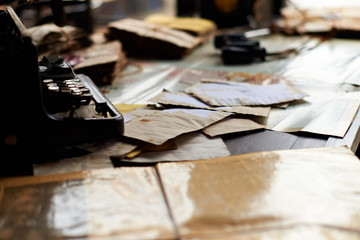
(328, 63)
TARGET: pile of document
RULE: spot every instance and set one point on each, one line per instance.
(188, 124)
(52, 39)
(339, 21)
(141, 38)
(206, 105)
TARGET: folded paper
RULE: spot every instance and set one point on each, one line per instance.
(185, 100)
(190, 146)
(231, 125)
(331, 115)
(237, 94)
(160, 126)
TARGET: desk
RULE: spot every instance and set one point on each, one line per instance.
(256, 194)
(329, 68)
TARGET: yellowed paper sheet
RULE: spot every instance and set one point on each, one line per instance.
(195, 25)
(148, 147)
(331, 115)
(190, 146)
(157, 128)
(125, 108)
(231, 196)
(139, 112)
(122, 203)
(231, 125)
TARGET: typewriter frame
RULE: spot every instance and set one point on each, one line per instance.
(27, 129)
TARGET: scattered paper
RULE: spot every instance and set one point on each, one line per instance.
(139, 112)
(332, 115)
(236, 94)
(160, 126)
(125, 108)
(190, 146)
(231, 125)
(148, 147)
(178, 99)
(185, 100)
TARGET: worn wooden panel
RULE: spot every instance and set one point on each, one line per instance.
(122, 203)
(281, 191)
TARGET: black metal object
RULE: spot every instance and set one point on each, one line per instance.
(27, 128)
(236, 48)
(70, 12)
(227, 13)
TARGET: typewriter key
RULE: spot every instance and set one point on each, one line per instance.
(46, 81)
(66, 91)
(53, 88)
(85, 91)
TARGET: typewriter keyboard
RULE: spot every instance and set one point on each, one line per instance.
(65, 95)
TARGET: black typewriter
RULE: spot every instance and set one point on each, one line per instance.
(44, 104)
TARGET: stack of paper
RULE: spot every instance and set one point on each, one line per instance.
(140, 37)
(215, 107)
(193, 25)
(52, 39)
(340, 21)
(102, 62)
(278, 106)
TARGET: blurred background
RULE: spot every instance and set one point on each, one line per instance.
(226, 13)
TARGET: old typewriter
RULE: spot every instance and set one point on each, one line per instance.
(44, 104)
